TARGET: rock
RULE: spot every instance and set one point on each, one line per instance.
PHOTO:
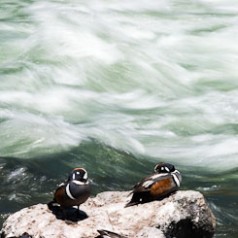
(183, 214)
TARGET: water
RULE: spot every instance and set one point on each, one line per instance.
(117, 86)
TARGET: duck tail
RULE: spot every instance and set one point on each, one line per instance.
(131, 203)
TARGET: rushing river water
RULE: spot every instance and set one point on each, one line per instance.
(117, 86)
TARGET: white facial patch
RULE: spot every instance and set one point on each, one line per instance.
(85, 175)
(167, 169)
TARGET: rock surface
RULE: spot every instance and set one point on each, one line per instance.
(182, 215)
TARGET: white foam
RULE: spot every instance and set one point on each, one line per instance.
(152, 78)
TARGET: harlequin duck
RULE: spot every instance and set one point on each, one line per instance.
(74, 191)
(157, 186)
(108, 234)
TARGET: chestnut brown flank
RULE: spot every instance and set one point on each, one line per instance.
(161, 187)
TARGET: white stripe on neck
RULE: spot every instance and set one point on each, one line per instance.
(78, 182)
(69, 193)
(175, 177)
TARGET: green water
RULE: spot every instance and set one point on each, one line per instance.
(116, 86)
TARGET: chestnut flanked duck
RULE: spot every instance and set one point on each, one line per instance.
(75, 191)
(164, 181)
(109, 234)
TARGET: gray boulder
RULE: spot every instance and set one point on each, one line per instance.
(184, 214)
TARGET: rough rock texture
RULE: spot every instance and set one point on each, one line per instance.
(181, 215)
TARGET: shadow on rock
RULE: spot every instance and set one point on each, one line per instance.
(186, 228)
(70, 214)
(24, 235)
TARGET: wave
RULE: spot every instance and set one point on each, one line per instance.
(151, 79)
